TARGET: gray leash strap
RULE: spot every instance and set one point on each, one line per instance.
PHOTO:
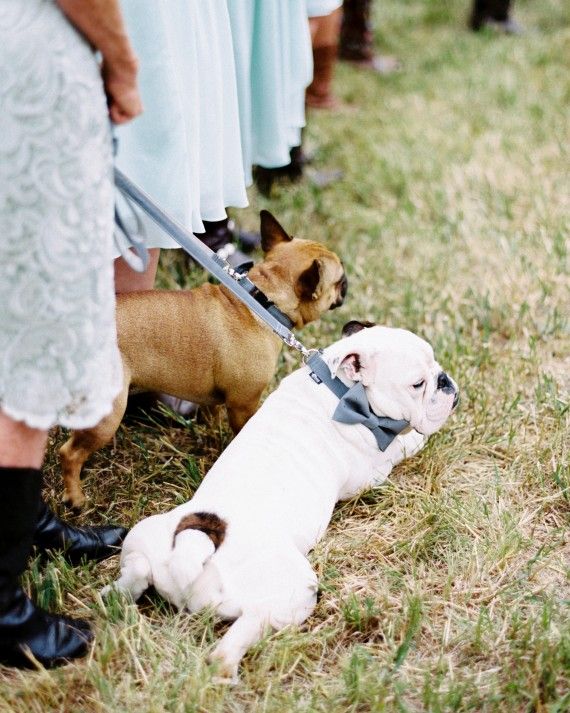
(238, 284)
(134, 252)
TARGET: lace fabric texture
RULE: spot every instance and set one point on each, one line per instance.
(59, 360)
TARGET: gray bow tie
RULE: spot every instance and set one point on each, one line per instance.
(354, 408)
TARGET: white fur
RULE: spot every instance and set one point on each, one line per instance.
(276, 486)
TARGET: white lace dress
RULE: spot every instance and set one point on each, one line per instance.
(59, 361)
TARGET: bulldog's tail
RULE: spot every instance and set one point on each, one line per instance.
(196, 538)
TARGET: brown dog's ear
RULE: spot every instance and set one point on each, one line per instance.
(355, 326)
(308, 287)
(271, 231)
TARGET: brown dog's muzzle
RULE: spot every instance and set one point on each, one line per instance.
(343, 289)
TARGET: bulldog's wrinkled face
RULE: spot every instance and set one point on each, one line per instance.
(400, 374)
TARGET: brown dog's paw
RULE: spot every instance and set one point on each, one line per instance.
(75, 500)
(355, 326)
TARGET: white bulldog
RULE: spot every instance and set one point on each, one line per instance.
(240, 545)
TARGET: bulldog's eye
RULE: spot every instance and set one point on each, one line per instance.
(420, 384)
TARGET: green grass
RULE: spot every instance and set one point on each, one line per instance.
(447, 589)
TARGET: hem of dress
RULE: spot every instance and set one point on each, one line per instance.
(44, 423)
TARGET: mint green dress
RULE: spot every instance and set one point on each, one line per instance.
(272, 50)
(185, 149)
(320, 8)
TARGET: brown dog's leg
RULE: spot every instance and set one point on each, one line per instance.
(82, 444)
(239, 413)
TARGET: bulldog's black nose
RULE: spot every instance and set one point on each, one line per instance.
(446, 385)
(444, 382)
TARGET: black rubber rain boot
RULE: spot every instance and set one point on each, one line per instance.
(26, 631)
(76, 543)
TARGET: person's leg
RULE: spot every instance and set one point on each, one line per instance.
(24, 447)
(324, 34)
(356, 42)
(23, 626)
(493, 13)
(20, 445)
(356, 31)
(127, 280)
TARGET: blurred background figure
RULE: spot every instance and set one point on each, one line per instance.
(357, 38)
(324, 22)
(494, 14)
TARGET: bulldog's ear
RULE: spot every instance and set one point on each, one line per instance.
(352, 367)
(309, 287)
(345, 356)
(272, 232)
(355, 326)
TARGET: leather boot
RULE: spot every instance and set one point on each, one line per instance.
(292, 172)
(25, 628)
(216, 234)
(76, 543)
(356, 36)
(494, 13)
(319, 92)
(219, 237)
(356, 43)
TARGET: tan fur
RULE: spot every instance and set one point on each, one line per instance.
(205, 346)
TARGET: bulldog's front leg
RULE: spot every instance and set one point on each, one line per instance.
(402, 447)
(246, 631)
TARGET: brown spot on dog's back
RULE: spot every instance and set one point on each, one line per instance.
(205, 522)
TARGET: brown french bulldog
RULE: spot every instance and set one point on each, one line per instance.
(205, 346)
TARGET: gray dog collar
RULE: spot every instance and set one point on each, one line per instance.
(353, 404)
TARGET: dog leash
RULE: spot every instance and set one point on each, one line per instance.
(236, 282)
(353, 406)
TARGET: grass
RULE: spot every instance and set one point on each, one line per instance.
(447, 589)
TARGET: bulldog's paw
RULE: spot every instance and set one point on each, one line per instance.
(412, 443)
(224, 673)
(225, 680)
